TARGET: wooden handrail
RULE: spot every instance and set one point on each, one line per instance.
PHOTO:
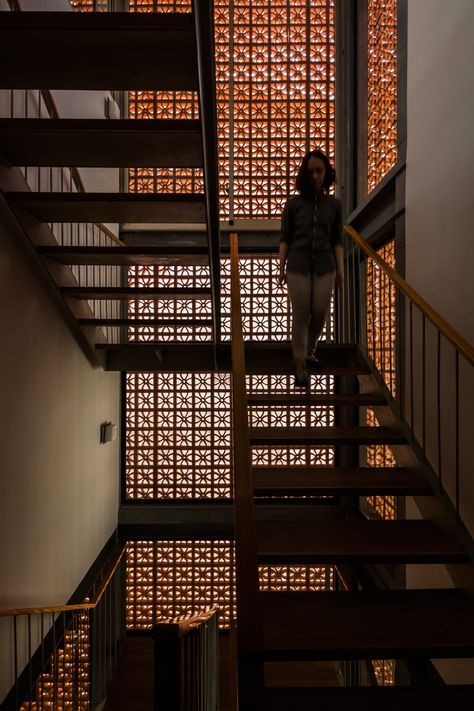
(450, 333)
(103, 228)
(189, 624)
(248, 628)
(92, 604)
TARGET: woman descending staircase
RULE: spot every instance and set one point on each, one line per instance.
(369, 614)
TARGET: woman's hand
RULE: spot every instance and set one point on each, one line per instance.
(282, 277)
(339, 279)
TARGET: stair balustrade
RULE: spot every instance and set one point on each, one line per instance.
(376, 621)
(64, 656)
(423, 365)
(186, 663)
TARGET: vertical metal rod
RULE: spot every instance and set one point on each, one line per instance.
(338, 318)
(111, 625)
(26, 116)
(346, 302)
(354, 335)
(75, 660)
(372, 303)
(231, 112)
(349, 299)
(423, 393)
(116, 614)
(412, 406)
(391, 341)
(42, 660)
(438, 383)
(456, 415)
(15, 658)
(54, 666)
(384, 321)
(63, 679)
(30, 670)
(103, 633)
(92, 640)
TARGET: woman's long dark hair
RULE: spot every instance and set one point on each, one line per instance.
(303, 184)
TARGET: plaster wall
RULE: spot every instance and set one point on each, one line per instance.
(440, 158)
(59, 492)
(440, 244)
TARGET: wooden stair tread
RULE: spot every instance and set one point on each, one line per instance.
(110, 207)
(325, 435)
(336, 399)
(125, 292)
(368, 625)
(124, 256)
(332, 481)
(161, 51)
(275, 358)
(102, 143)
(301, 674)
(99, 321)
(355, 542)
(388, 698)
(280, 367)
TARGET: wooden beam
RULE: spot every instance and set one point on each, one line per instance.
(109, 207)
(101, 143)
(99, 50)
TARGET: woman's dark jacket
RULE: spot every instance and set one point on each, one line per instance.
(312, 227)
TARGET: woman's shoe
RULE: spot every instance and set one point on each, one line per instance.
(312, 361)
(301, 375)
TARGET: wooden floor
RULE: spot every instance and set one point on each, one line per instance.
(132, 685)
(379, 698)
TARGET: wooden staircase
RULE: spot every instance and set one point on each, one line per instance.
(368, 614)
(165, 51)
(353, 624)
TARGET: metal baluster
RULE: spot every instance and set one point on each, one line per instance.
(30, 670)
(93, 662)
(372, 301)
(347, 329)
(75, 660)
(440, 475)
(103, 656)
(392, 345)
(54, 669)
(423, 396)
(15, 658)
(42, 660)
(63, 671)
(412, 406)
(456, 415)
(383, 325)
(355, 335)
(109, 597)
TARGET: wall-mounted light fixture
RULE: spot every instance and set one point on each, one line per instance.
(108, 432)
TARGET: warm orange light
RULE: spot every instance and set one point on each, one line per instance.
(382, 89)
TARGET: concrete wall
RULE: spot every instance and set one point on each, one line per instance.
(59, 492)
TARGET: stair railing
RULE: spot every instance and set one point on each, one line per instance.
(186, 662)
(250, 666)
(63, 656)
(424, 364)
